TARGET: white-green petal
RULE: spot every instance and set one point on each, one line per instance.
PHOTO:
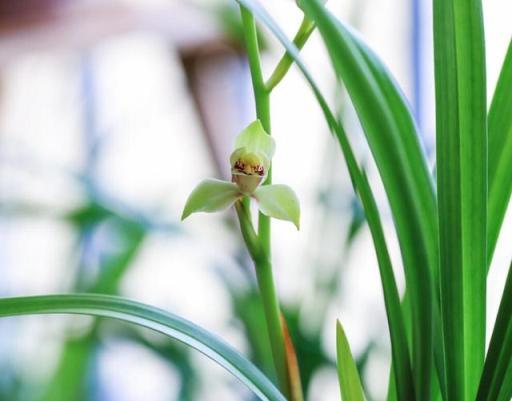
(280, 202)
(211, 196)
(255, 140)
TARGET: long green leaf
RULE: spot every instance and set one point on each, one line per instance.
(400, 350)
(500, 153)
(506, 390)
(498, 363)
(350, 383)
(399, 346)
(402, 115)
(462, 189)
(151, 318)
(394, 143)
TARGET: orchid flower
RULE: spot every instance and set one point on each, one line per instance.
(250, 162)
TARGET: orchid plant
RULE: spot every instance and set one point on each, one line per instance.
(447, 225)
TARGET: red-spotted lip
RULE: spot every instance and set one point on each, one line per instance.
(239, 168)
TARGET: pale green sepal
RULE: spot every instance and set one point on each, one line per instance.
(211, 196)
(280, 202)
(255, 140)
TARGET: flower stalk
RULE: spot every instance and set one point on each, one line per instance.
(261, 253)
(301, 37)
(263, 266)
(251, 179)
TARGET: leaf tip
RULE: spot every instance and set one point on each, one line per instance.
(339, 328)
(184, 214)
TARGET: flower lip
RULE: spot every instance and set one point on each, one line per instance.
(248, 163)
(247, 183)
(242, 167)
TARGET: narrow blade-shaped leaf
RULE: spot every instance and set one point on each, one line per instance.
(506, 390)
(462, 189)
(151, 318)
(393, 140)
(403, 117)
(350, 383)
(500, 153)
(403, 384)
(498, 363)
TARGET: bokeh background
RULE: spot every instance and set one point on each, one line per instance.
(110, 112)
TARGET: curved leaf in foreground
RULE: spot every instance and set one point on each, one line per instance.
(151, 318)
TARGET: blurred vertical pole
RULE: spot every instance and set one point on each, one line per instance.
(417, 61)
(90, 129)
(90, 136)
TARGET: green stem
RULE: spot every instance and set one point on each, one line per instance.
(250, 237)
(267, 293)
(301, 37)
(264, 275)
